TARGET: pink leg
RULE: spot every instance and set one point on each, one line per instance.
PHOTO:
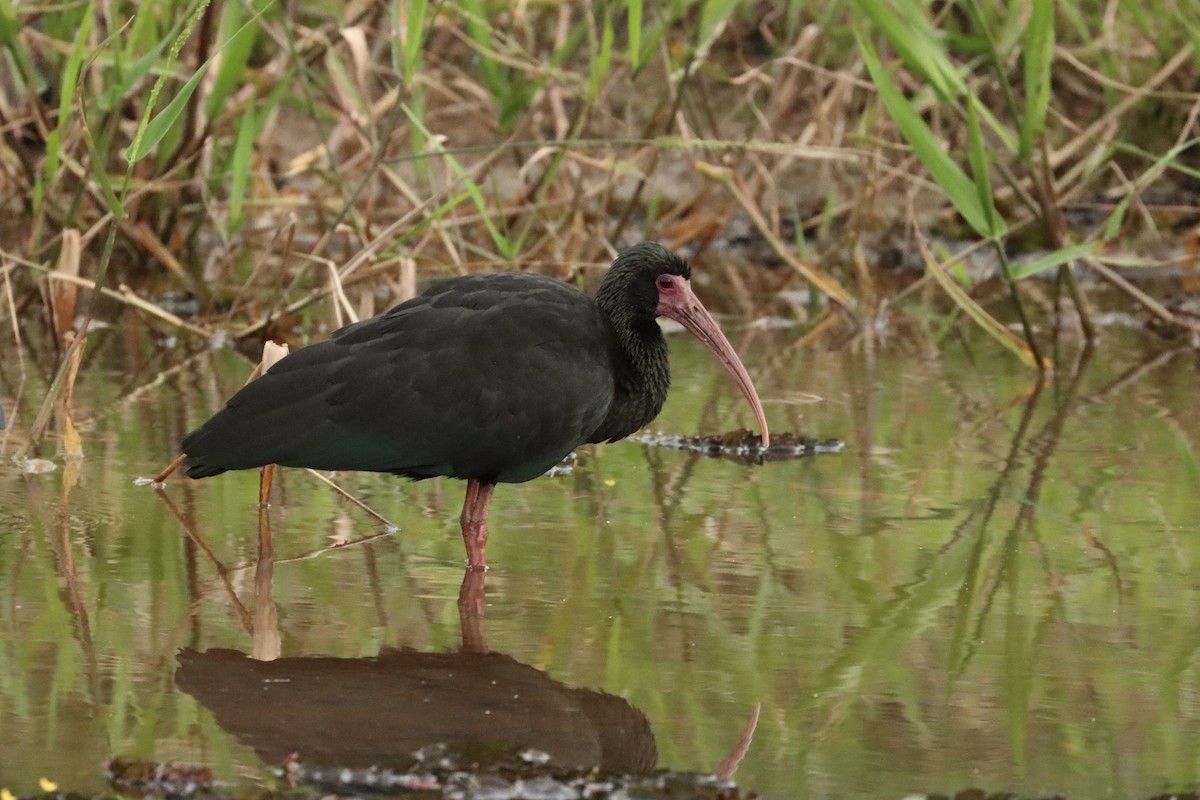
(474, 522)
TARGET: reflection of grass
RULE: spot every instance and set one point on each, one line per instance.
(908, 595)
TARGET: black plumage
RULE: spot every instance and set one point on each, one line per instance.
(492, 378)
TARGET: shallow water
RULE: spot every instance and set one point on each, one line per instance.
(991, 586)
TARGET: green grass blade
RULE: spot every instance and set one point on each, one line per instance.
(960, 189)
(249, 130)
(1061, 256)
(713, 17)
(9, 26)
(10, 29)
(977, 157)
(634, 24)
(100, 172)
(602, 59)
(480, 32)
(70, 79)
(144, 35)
(153, 132)
(243, 149)
(1039, 56)
(235, 56)
(982, 318)
(162, 122)
(414, 37)
(917, 44)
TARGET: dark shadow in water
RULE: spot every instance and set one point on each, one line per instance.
(362, 712)
(371, 711)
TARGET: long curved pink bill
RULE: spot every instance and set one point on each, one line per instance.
(692, 315)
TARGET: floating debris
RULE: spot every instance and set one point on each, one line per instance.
(35, 466)
(135, 777)
(439, 771)
(744, 446)
(564, 467)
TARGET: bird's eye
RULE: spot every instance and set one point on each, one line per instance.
(664, 282)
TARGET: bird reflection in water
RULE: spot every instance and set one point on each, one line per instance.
(390, 709)
(361, 712)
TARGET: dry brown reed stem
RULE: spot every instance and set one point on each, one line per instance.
(824, 283)
(385, 237)
(123, 294)
(265, 477)
(1051, 210)
(62, 294)
(272, 353)
(1108, 121)
(18, 342)
(408, 279)
(72, 444)
(342, 304)
(62, 376)
(1153, 306)
(139, 233)
(170, 470)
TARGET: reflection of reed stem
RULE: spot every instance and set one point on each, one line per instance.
(728, 767)
(222, 571)
(265, 638)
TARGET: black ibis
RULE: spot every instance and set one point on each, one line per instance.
(491, 378)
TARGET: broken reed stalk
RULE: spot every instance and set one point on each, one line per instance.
(170, 470)
(265, 477)
(272, 353)
(56, 388)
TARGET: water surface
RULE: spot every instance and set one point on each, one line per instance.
(992, 586)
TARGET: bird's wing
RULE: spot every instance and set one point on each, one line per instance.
(488, 379)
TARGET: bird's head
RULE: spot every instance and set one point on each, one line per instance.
(639, 276)
(647, 281)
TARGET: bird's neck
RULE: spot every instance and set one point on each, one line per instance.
(642, 374)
